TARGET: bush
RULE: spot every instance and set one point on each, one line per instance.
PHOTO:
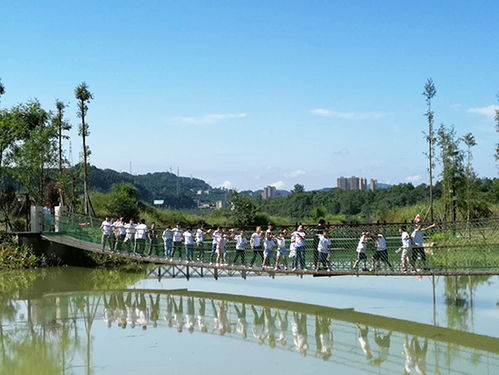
(15, 256)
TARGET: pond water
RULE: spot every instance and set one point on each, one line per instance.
(94, 321)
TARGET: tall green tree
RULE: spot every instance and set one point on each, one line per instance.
(33, 152)
(469, 141)
(243, 210)
(123, 201)
(453, 174)
(83, 95)
(429, 92)
(298, 188)
(60, 126)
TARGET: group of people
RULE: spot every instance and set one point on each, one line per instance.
(272, 249)
(411, 250)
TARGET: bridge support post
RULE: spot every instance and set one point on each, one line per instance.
(36, 214)
(59, 212)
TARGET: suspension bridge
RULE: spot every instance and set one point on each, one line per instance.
(456, 248)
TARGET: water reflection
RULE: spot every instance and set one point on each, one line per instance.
(54, 333)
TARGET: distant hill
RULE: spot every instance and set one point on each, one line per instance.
(176, 191)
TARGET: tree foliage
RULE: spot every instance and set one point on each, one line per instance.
(243, 210)
(33, 152)
(123, 201)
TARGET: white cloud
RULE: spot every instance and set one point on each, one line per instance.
(413, 178)
(226, 184)
(489, 111)
(347, 115)
(295, 173)
(321, 112)
(211, 119)
(278, 185)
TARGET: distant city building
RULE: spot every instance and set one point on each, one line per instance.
(355, 183)
(269, 192)
(219, 205)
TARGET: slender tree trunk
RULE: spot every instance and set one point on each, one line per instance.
(86, 205)
(430, 152)
(60, 148)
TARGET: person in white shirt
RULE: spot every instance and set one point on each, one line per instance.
(299, 236)
(241, 242)
(256, 244)
(119, 233)
(361, 250)
(129, 234)
(106, 227)
(189, 244)
(381, 253)
(177, 242)
(167, 241)
(200, 233)
(215, 238)
(323, 250)
(406, 250)
(282, 251)
(140, 237)
(418, 250)
(222, 241)
(268, 248)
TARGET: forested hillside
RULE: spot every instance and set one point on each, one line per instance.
(177, 192)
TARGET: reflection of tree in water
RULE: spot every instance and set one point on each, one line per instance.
(459, 294)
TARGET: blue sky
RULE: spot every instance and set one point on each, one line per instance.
(248, 94)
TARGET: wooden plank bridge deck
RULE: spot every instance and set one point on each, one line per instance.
(173, 268)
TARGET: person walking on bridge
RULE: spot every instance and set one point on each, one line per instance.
(381, 253)
(241, 242)
(177, 241)
(361, 251)
(167, 242)
(140, 237)
(406, 249)
(200, 233)
(215, 238)
(323, 251)
(120, 232)
(418, 250)
(299, 236)
(256, 244)
(129, 234)
(153, 240)
(189, 244)
(106, 227)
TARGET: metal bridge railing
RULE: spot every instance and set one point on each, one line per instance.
(460, 246)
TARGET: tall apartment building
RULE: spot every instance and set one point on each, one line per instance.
(269, 192)
(355, 183)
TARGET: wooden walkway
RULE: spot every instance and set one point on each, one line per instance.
(174, 268)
